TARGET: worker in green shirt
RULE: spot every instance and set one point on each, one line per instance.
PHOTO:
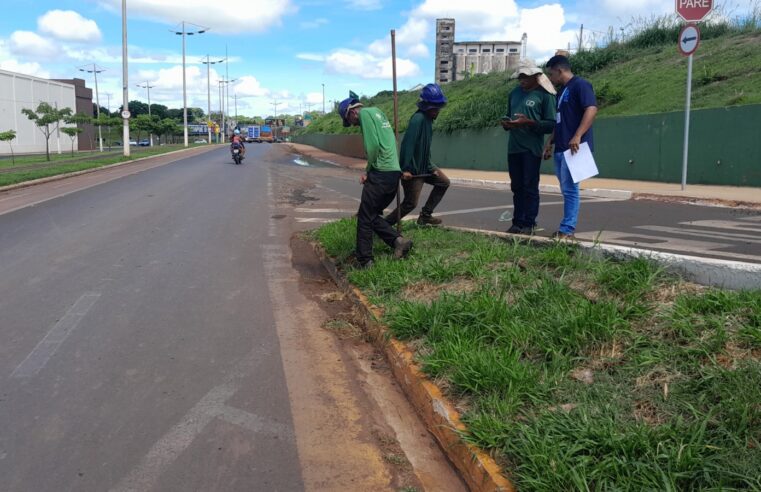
(415, 159)
(530, 116)
(381, 180)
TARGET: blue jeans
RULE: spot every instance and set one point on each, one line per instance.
(570, 192)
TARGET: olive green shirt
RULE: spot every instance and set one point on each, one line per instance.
(537, 105)
(415, 153)
(379, 140)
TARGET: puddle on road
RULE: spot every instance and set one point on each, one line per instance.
(305, 161)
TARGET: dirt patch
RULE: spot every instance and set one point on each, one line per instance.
(645, 411)
(427, 292)
(733, 355)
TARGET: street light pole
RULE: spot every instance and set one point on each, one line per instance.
(125, 87)
(95, 71)
(185, 33)
(149, 87)
(221, 112)
(208, 64)
(323, 98)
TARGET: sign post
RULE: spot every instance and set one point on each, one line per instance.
(689, 39)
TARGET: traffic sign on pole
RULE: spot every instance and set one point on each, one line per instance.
(693, 10)
(689, 39)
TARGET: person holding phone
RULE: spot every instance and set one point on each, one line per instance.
(530, 116)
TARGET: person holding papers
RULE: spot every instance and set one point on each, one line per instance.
(576, 111)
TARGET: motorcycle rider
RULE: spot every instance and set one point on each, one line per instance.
(237, 139)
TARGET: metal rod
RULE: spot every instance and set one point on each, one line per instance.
(125, 87)
(97, 109)
(184, 91)
(687, 123)
(396, 131)
(208, 96)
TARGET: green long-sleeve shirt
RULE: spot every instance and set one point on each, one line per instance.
(379, 140)
(537, 105)
(415, 154)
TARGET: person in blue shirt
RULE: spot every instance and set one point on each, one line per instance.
(576, 111)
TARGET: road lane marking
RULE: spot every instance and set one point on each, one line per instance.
(729, 236)
(323, 211)
(726, 224)
(39, 357)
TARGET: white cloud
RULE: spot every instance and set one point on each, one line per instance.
(313, 98)
(32, 68)
(311, 57)
(68, 25)
(30, 44)
(544, 27)
(249, 86)
(314, 24)
(368, 66)
(220, 17)
(364, 4)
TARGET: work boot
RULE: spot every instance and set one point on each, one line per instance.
(514, 229)
(402, 247)
(561, 236)
(366, 265)
(424, 219)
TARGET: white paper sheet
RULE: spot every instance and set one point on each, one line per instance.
(581, 164)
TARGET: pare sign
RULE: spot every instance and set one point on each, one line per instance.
(693, 10)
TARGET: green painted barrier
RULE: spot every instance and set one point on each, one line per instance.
(725, 147)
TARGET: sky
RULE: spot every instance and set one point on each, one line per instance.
(283, 51)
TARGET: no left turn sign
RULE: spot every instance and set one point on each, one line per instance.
(689, 39)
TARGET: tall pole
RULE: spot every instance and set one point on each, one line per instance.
(227, 81)
(323, 98)
(235, 98)
(208, 96)
(223, 130)
(125, 88)
(148, 86)
(97, 109)
(687, 122)
(184, 91)
(581, 37)
(396, 128)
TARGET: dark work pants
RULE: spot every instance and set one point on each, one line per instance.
(412, 190)
(524, 183)
(378, 192)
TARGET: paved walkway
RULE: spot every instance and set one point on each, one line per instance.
(733, 196)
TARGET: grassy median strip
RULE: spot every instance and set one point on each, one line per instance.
(71, 164)
(577, 373)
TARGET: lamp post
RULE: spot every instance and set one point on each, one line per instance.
(148, 87)
(221, 112)
(125, 87)
(208, 64)
(323, 98)
(185, 33)
(95, 71)
(227, 96)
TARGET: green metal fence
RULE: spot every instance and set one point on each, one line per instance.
(725, 147)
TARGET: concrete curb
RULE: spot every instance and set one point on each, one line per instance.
(479, 470)
(725, 274)
(505, 185)
(59, 177)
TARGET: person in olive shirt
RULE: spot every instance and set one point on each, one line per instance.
(530, 116)
(381, 180)
(415, 159)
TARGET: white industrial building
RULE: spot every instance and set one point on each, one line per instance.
(19, 91)
(457, 60)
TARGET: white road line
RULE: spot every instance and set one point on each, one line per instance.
(661, 242)
(748, 238)
(726, 224)
(39, 357)
(323, 211)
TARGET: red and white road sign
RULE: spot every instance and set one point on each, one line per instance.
(689, 39)
(693, 10)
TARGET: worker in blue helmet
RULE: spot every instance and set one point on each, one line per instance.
(380, 180)
(415, 159)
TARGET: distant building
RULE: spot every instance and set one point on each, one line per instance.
(88, 138)
(457, 60)
(21, 91)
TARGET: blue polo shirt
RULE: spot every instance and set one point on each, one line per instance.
(575, 97)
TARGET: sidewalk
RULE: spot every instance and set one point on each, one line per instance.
(728, 196)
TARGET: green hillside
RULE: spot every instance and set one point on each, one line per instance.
(646, 74)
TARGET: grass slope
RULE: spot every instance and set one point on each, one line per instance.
(643, 75)
(577, 373)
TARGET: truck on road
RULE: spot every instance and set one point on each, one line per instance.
(266, 134)
(254, 134)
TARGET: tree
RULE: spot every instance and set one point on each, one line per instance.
(72, 132)
(44, 116)
(143, 123)
(167, 127)
(79, 119)
(7, 137)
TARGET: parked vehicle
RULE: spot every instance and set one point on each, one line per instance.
(266, 134)
(200, 141)
(254, 134)
(144, 142)
(133, 142)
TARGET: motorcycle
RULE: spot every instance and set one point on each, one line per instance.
(235, 149)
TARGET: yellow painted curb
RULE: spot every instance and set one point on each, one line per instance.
(478, 469)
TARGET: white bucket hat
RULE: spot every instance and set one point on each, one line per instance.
(530, 68)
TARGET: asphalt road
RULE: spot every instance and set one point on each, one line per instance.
(157, 332)
(712, 232)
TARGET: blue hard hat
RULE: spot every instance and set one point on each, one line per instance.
(237, 132)
(433, 94)
(344, 106)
